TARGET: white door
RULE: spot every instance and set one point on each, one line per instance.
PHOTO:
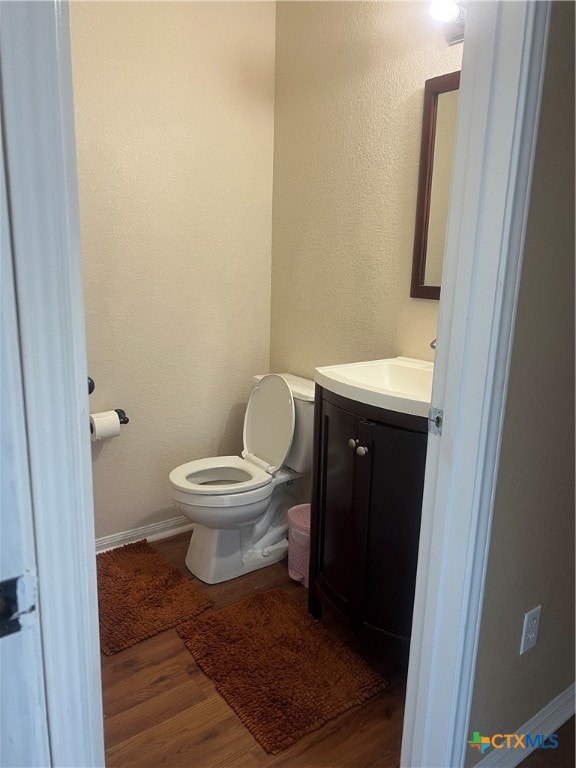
(22, 699)
(50, 689)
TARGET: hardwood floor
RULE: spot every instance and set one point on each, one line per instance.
(161, 710)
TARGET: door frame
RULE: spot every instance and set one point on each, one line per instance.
(500, 91)
(499, 107)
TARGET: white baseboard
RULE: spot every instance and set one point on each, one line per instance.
(152, 532)
(545, 722)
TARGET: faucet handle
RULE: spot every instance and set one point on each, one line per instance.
(433, 344)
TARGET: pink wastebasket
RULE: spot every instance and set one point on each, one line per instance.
(299, 543)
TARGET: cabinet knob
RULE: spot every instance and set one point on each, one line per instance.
(352, 443)
(362, 450)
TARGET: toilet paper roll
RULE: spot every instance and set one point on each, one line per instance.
(104, 425)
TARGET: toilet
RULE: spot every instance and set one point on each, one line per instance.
(239, 504)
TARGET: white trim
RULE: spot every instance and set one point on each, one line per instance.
(498, 114)
(545, 722)
(41, 172)
(152, 532)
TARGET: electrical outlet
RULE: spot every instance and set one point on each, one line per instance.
(530, 629)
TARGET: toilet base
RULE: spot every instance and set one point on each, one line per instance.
(215, 554)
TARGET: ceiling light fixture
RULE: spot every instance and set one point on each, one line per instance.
(445, 10)
(453, 16)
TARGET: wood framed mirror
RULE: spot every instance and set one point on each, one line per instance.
(438, 132)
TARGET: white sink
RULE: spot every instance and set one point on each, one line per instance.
(401, 384)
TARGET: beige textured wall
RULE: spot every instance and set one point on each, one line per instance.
(175, 110)
(531, 559)
(348, 119)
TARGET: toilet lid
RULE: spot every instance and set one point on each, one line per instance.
(269, 423)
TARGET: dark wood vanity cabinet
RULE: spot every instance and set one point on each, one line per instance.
(366, 504)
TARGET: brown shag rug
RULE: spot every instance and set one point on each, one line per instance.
(141, 594)
(280, 670)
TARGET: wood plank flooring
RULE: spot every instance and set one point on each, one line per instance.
(161, 710)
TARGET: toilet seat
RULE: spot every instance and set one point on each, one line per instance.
(268, 433)
(219, 475)
(269, 423)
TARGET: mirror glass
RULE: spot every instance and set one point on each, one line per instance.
(438, 132)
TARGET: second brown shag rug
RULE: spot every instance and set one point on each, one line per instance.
(280, 670)
(141, 594)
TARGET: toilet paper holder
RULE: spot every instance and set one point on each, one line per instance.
(122, 418)
(107, 424)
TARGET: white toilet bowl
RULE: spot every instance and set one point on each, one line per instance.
(239, 505)
(221, 492)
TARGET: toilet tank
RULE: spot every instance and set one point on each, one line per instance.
(300, 454)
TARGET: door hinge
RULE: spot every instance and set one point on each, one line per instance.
(17, 603)
(435, 421)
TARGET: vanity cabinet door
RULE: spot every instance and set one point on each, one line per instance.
(393, 529)
(366, 508)
(337, 555)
